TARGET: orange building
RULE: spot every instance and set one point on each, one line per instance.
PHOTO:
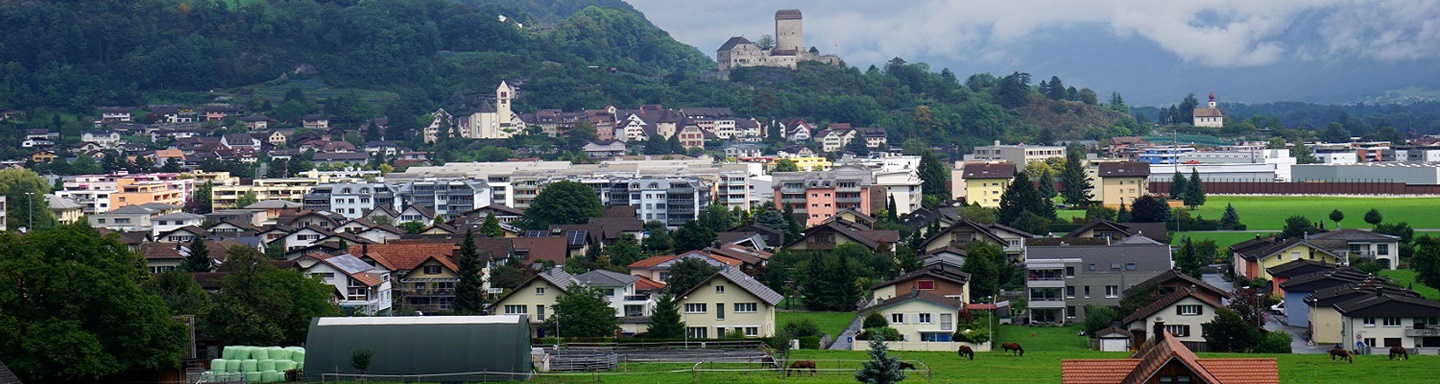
(819, 195)
(131, 192)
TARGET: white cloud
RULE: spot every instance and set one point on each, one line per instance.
(1213, 33)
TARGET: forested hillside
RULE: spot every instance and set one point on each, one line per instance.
(422, 54)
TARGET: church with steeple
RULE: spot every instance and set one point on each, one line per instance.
(1210, 116)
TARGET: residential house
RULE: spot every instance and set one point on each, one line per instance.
(874, 137)
(797, 130)
(1020, 154)
(943, 279)
(427, 273)
(364, 289)
(1172, 280)
(41, 156)
(1252, 258)
(986, 182)
(105, 139)
(110, 115)
(173, 221)
(605, 149)
(257, 122)
(386, 148)
(692, 137)
(634, 306)
(1183, 311)
(921, 317)
(220, 112)
(535, 297)
(272, 208)
(835, 137)
(306, 218)
(657, 268)
(729, 302)
(1297, 288)
(964, 231)
(351, 200)
(1324, 320)
(1120, 231)
(349, 159)
(316, 121)
(124, 219)
(1385, 249)
(835, 233)
(66, 211)
(1062, 279)
(443, 197)
(416, 213)
(1165, 359)
(1380, 321)
(818, 195)
(1120, 183)
(240, 140)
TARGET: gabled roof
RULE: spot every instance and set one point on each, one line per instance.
(1154, 355)
(1124, 169)
(937, 271)
(1382, 305)
(1338, 294)
(273, 204)
(740, 279)
(1350, 235)
(989, 171)
(746, 255)
(427, 212)
(1324, 279)
(605, 278)
(1168, 300)
(1172, 274)
(917, 295)
(644, 284)
(1154, 231)
(1299, 267)
(979, 228)
(407, 256)
(1257, 252)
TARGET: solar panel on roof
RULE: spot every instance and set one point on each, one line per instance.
(349, 264)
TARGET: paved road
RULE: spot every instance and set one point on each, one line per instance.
(1272, 322)
(842, 342)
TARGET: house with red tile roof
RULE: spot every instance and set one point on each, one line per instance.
(427, 272)
(1165, 359)
(363, 287)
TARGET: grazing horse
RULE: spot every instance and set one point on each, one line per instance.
(905, 365)
(1342, 354)
(965, 351)
(1398, 351)
(1013, 347)
(800, 366)
(768, 362)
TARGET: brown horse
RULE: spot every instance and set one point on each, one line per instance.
(800, 366)
(965, 351)
(1398, 351)
(1342, 354)
(1014, 348)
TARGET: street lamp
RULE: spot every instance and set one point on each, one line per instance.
(686, 314)
(30, 210)
(990, 324)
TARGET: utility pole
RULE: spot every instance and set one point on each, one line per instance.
(30, 210)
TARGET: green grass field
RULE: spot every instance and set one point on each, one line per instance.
(1041, 364)
(1406, 278)
(832, 323)
(1270, 212)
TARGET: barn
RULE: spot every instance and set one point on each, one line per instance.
(441, 348)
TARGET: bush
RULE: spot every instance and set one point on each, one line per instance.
(1275, 342)
(973, 336)
(802, 328)
(810, 342)
(875, 320)
(889, 334)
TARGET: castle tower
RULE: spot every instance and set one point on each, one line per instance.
(789, 33)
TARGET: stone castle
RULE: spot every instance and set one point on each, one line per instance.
(788, 51)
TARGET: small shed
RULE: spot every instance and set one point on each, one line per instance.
(441, 348)
(1113, 340)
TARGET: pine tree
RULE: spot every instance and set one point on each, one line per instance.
(470, 291)
(1020, 197)
(1178, 185)
(1047, 185)
(1123, 216)
(491, 226)
(666, 322)
(793, 227)
(1230, 219)
(198, 258)
(890, 208)
(882, 368)
(934, 176)
(1194, 190)
(1077, 186)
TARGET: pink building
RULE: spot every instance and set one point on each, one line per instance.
(819, 195)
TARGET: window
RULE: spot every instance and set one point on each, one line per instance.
(697, 332)
(1112, 291)
(1090, 267)
(1087, 291)
(1175, 380)
(719, 289)
(752, 331)
(540, 291)
(695, 308)
(720, 312)
(1189, 310)
(514, 309)
(540, 312)
(1178, 330)
(897, 318)
(1294, 255)
(1129, 266)
(1368, 321)
(608, 291)
(1391, 322)
(1370, 342)
(1070, 312)
(419, 285)
(432, 269)
(746, 307)
(1069, 292)
(923, 318)
(925, 285)
(1069, 272)
(1382, 249)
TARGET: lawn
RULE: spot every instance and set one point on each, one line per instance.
(1223, 239)
(1406, 278)
(832, 323)
(1270, 212)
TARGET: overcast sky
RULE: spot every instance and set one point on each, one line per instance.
(1151, 51)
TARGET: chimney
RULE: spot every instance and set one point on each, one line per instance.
(364, 249)
(1157, 333)
(1379, 292)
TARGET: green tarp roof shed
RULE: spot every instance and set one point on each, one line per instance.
(436, 348)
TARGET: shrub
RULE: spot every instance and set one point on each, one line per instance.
(875, 320)
(810, 342)
(802, 328)
(1275, 342)
(973, 336)
(887, 332)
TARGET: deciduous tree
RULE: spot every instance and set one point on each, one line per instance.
(1337, 216)
(1373, 217)
(260, 304)
(563, 202)
(583, 312)
(692, 236)
(491, 226)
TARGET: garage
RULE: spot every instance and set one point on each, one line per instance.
(1113, 340)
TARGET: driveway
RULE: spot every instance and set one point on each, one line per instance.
(1298, 344)
(843, 341)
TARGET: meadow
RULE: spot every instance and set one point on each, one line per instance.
(832, 323)
(1262, 213)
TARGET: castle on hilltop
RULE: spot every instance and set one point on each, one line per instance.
(788, 51)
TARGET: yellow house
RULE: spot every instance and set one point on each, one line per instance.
(1252, 258)
(1122, 182)
(535, 297)
(66, 211)
(985, 183)
(1326, 325)
(729, 301)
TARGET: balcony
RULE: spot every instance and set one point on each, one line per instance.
(1423, 331)
(1043, 302)
(1045, 283)
(637, 298)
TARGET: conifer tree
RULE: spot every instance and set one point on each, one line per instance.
(1047, 185)
(1178, 186)
(491, 226)
(198, 258)
(882, 368)
(1194, 190)
(1077, 186)
(666, 322)
(1230, 219)
(470, 291)
(1123, 216)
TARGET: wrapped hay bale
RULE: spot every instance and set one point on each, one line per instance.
(284, 365)
(259, 353)
(277, 353)
(265, 365)
(250, 365)
(271, 377)
(253, 377)
(232, 365)
(300, 365)
(298, 356)
(241, 352)
(228, 353)
(217, 365)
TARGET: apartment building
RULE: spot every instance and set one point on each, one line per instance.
(1062, 279)
(819, 196)
(1015, 154)
(351, 200)
(290, 189)
(445, 197)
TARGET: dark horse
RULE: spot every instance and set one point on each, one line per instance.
(1013, 347)
(905, 365)
(1342, 354)
(800, 366)
(965, 351)
(1398, 351)
(768, 362)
